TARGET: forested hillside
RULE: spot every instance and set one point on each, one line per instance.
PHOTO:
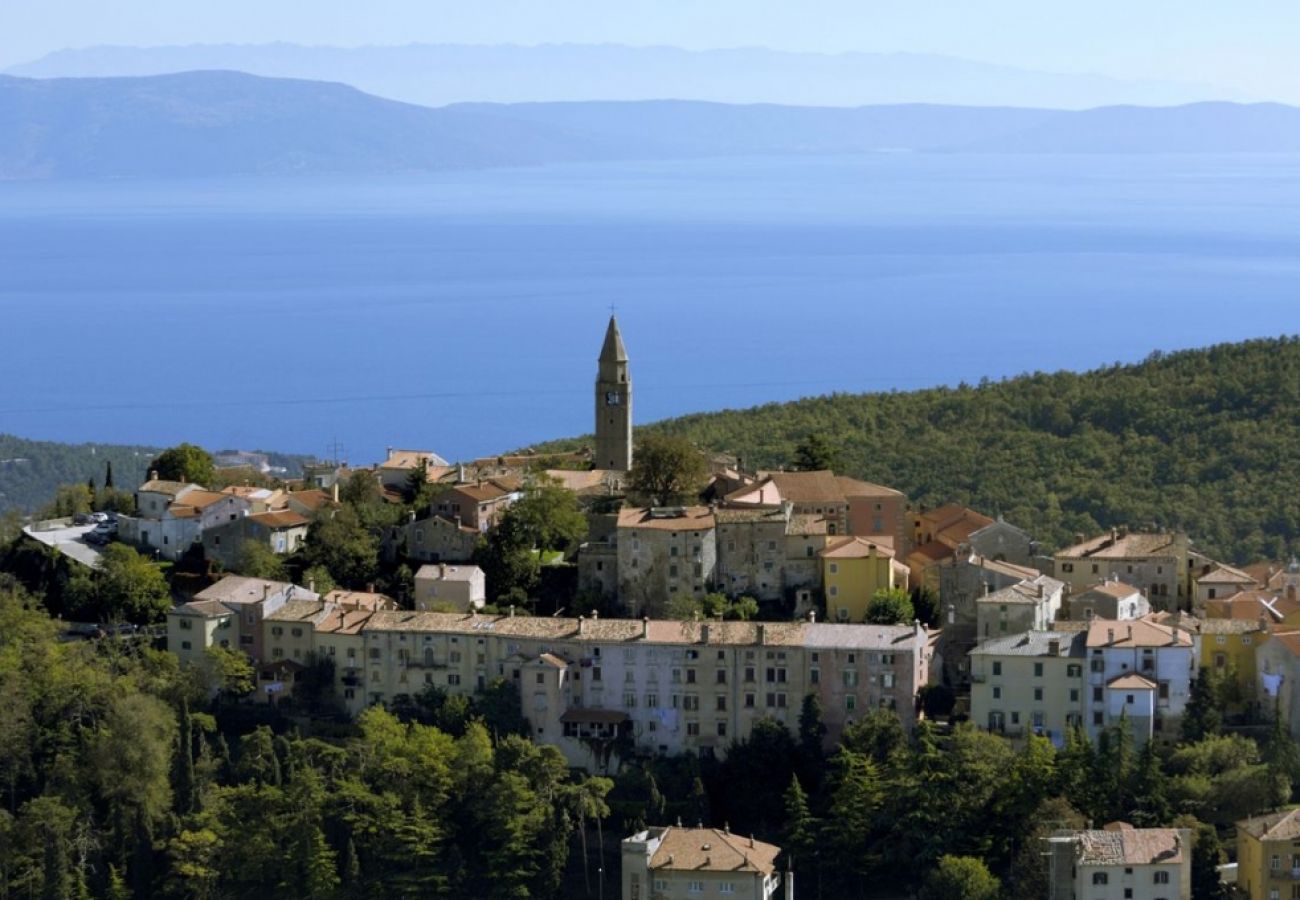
(1203, 440)
(31, 471)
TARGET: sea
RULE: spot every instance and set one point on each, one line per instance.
(463, 311)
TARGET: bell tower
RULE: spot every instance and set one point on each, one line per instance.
(613, 404)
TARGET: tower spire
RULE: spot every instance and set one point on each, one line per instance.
(613, 349)
(613, 403)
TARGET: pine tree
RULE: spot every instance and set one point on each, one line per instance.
(800, 826)
(1207, 884)
(1201, 718)
(108, 475)
(1149, 791)
(117, 889)
(351, 865)
(184, 784)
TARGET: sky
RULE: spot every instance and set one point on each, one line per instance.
(1248, 45)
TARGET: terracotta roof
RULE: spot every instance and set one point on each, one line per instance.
(851, 487)
(1251, 605)
(1229, 626)
(247, 490)
(283, 518)
(313, 499)
(856, 548)
(803, 488)
(343, 621)
(360, 600)
(1117, 589)
(711, 850)
(1135, 633)
(692, 518)
(551, 659)
(580, 480)
(170, 488)
(1120, 844)
(1278, 826)
(933, 552)
(1288, 639)
(1222, 574)
(1126, 546)
(954, 523)
(482, 492)
(411, 459)
(1131, 682)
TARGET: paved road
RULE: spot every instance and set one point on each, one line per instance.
(70, 541)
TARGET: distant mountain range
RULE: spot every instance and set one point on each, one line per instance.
(215, 123)
(440, 74)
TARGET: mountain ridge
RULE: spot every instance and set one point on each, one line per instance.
(223, 123)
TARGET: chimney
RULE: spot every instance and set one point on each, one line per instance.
(704, 633)
(1110, 635)
(411, 517)
(988, 588)
(512, 610)
(1040, 590)
(311, 585)
(390, 452)
(645, 628)
(1054, 647)
(812, 616)
(153, 474)
(266, 592)
(582, 621)
(595, 614)
(762, 634)
(442, 570)
(370, 588)
(1130, 632)
(460, 473)
(334, 492)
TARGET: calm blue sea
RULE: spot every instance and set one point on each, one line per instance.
(463, 312)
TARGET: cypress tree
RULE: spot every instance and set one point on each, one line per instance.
(184, 786)
(108, 475)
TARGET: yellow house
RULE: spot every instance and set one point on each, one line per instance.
(1268, 855)
(1229, 646)
(855, 568)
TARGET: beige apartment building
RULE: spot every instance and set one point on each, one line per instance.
(664, 551)
(668, 686)
(1158, 564)
(1030, 683)
(695, 863)
(450, 588)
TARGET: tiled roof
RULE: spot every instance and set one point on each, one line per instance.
(411, 459)
(279, 519)
(313, 499)
(482, 492)
(1278, 826)
(200, 499)
(1229, 626)
(933, 552)
(657, 631)
(1124, 845)
(343, 621)
(856, 548)
(240, 589)
(1034, 643)
(297, 611)
(1027, 591)
(1251, 605)
(1117, 589)
(170, 488)
(206, 609)
(1222, 574)
(1135, 633)
(357, 600)
(757, 514)
(804, 488)
(1131, 681)
(1126, 546)
(447, 572)
(711, 850)
(807, 523)
(693, 518)
(851, 487)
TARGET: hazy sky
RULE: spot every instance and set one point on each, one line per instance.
(1249, 44)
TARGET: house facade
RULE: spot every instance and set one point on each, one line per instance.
(1121, 861)
(1030, 605)
(1111, 599)
(1141, 671)
(1157, 563)
(664, 551)
(853, 569)
(962, 579)
(688, 863)
(450, 588)
(1268, 855)
(1030, 683)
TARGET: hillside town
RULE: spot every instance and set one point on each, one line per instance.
(752, 596)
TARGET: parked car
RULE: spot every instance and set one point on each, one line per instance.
(99, 516)
(82, 519)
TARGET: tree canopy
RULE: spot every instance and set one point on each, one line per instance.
(666, 469)
(185, 462)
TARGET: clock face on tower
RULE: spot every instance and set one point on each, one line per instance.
(611, 398)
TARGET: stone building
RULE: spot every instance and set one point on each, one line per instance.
(1156, 563)
(613, 449)
(962, 580)
(676, 862)
(663, 551)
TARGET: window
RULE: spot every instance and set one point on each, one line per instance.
(1074, 695)
(1073, 670)
(1038, 694)
(997, 667)
(453, 679)
(185, 645)
(1160, 878)
(727, 887)
(595, 672)
(815, 676)
(296, 632)
(749, 701)
(541, 678)
(997, 692)
(721, 704)
(692, 729)
(1100, 878)
(1038, 670)
(850, 677)
(749, 673)
(651, 699)
(695, 887)
(850, 702)
(1097, 695)
(186, 624)
(835, 568)
(277, 630)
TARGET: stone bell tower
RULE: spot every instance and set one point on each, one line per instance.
(613, 404)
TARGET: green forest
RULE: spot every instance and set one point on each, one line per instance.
(1207, 441)
(125, 775)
